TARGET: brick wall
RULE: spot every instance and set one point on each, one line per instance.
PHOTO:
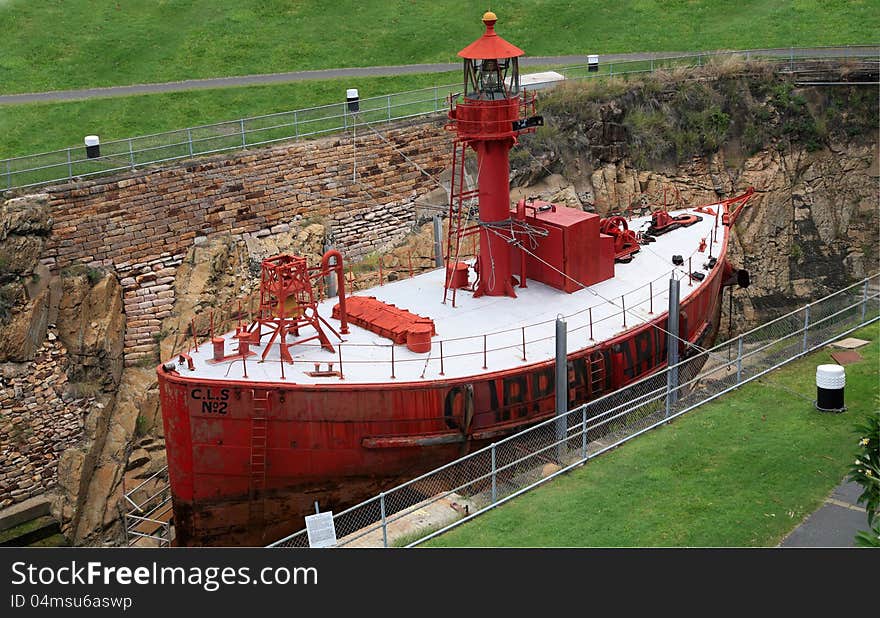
(141, 224)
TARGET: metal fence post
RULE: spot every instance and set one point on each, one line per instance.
(561, 380)
(806, 326)
(388, 106)
(865, 301)
(189, 140)
(672, 346)
(295, 125)
(69, 166)
(243, 135)
(739, 359)
(494, 477)
(584, 409)
(384, 522)
(130, 153)
(436, 106)
(8, 174)
(791, 58)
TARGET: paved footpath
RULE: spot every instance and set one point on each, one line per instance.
(835, 524)
(296, 76)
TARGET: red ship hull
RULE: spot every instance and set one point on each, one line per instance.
(343, 443)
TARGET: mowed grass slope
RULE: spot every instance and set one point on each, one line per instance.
(741, 471)
(64, 44)
(41, 127)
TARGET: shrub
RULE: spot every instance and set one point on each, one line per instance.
(865, 471)
(93, 274)
(140, 426)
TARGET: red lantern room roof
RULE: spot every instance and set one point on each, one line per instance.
(490, 45)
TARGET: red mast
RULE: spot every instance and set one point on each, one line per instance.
(489, 119)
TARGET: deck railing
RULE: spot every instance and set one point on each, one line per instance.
(471, 485)
(152, 151)
(638, 306)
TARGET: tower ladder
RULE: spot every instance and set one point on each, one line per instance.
(458, 222)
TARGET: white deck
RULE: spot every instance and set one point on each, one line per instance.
(366, 357)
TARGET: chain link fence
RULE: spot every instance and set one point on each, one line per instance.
(149, 151)
(429, 505)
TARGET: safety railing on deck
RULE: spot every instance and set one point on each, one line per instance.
(466, 487)
(638, 306)
(149, 151)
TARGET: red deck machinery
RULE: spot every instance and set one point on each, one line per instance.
(561, 247)
(288, 303)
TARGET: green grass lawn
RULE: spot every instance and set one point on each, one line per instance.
(741, 471)
(58, 44)
(40, 127)
(63, 44)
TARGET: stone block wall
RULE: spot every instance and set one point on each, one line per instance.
(39, 420)
(141, 224)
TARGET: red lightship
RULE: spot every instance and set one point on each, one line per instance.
(333, 401)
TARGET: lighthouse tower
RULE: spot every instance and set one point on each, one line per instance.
(489, 117)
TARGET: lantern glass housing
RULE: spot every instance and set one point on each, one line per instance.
(491, 79)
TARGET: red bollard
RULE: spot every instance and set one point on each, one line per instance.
(219, 348)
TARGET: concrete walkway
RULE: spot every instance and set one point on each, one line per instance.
(296, 76)
(835, 524)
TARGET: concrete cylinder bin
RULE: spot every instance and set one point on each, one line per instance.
(418, 337)
(93, 146)
(457, 275)
(830, 383)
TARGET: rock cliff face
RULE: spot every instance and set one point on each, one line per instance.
(810, 153)
(25, 225)
(62, 357)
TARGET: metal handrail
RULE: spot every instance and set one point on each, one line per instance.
(476, 339)
(634, 396)
(436, 345)
(27, 171)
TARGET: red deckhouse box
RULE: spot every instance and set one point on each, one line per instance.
(573, 245)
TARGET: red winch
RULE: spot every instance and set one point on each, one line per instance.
(625, 241)
(662, 222)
